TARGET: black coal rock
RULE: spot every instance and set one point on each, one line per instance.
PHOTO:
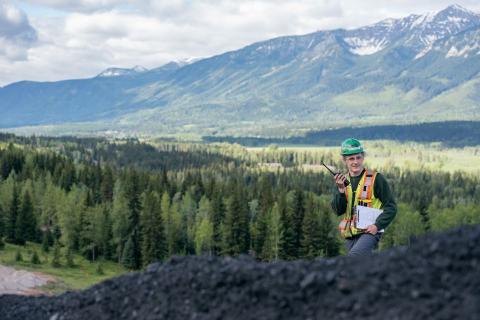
(438, 277)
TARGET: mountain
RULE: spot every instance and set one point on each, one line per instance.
(115, 72)
(421, 67)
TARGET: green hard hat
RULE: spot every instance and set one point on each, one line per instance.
(351, 146)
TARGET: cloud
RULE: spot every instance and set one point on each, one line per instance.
(16, 33)
(86, 6)
(93, 35)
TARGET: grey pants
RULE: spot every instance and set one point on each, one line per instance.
(362, 244)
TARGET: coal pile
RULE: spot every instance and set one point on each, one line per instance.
(438, 277)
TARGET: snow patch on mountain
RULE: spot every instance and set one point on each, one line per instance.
(186, 61)
(115, 72)
(464, 52)
(368, 46)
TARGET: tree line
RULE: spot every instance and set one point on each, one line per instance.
(450, 133)
(77, 199)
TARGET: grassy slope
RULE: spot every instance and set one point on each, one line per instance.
(82, 275)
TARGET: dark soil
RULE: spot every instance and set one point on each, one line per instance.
(438, 277)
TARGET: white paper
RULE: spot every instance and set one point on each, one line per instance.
(366, 216)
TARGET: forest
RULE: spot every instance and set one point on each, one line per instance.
(135, 203)
(449, 133)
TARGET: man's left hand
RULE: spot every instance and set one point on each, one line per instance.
(372, 229)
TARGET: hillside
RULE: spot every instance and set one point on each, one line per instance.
(436, 278)
(421, 67)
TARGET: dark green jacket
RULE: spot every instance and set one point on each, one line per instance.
(381, 191)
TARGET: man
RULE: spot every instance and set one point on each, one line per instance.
(364, 188)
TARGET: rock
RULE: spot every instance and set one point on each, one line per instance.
(437, 277)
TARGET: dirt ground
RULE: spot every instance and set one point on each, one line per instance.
(22, 282)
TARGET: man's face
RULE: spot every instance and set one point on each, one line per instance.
(354, 163)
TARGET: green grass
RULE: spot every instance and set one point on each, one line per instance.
(408, 155)
(82, 275)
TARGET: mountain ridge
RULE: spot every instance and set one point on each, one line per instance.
(387, 72)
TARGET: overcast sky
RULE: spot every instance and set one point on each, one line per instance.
(47, 40)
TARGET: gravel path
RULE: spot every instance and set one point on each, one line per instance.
(438, 277)
(14, 281)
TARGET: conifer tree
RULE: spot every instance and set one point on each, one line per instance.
(271, 248)
(218, 215)
(120, 221)
(236, 228)
(107, 185)
(56, 255)
(106, 233)
(131, 256)
(312, 232)
(298, 216)
(167, 221)
(153, 237)
(188, 209)
(288, 239)
(14, 204)
(132, 248)
(69, 257)
(265, 204)
(2, 226)
(328, 232)
(26, 222)
(18, 256)
(35, 259)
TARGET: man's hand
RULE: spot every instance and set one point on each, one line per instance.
(340, 181)
(372, 229)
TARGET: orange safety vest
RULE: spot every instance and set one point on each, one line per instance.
(364, 196)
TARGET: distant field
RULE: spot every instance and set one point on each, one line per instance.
(382, 153)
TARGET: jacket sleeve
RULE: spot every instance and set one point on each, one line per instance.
(383, 192)
(339, 202)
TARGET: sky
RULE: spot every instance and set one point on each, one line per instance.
(50, 40)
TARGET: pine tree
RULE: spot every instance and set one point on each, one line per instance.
(288, 249)
(2, 227)
(18, 256)
(298, 216)
(120, 220)
(329, 242)
(35, 259)
(218, 216)
(106, 233)
(188, 209)
(271, 248)
(153, 236)
(56, 255)
(69, 257)
(260, 224)
(131, 253)
(46, 240)
(132, 193)
(168, 223)
(236, 228)
(12, 214)
(99, 269)
(107, 185)
(26, 224)
(312, 233)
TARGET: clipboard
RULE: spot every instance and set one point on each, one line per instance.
(366, 216)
